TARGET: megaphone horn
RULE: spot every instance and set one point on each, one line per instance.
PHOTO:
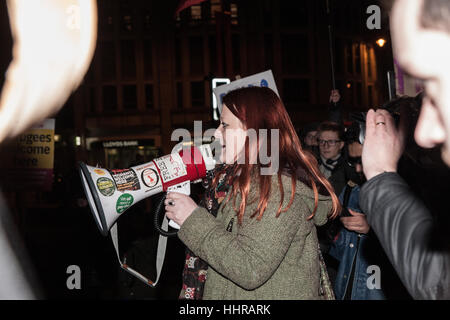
(112, 192)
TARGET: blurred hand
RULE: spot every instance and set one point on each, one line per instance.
(357, 223)
(181, 208)
(383, 144)
(335, 96)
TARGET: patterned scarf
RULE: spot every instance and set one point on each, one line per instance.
(195, 269)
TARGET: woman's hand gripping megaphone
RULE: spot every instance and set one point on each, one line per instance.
(178, 207)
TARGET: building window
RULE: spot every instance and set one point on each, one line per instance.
(294, 13)
(127, 23)
(108, 61)
(92, 99)
(149, 102)
(370, 63)
(196, 55)
(347, 23)
(178, 57)
(148, 59)
(106, 17)
(127, 16)
(90, 75)
(236, 49)
(198, 94)
(146, 16)
(109, 94)
(268, 51)
(349, 57)
(359, 94)
(128, 59)
(234, 13)
(357, 49)
(129, 97)
(215, 6)
(267, 12)
(296, 91)
(180, 103)
(213, 54)
(353, 59)
(196, 12)
(370, 95)
(295, 53)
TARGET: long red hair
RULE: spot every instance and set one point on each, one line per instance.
(260, 108)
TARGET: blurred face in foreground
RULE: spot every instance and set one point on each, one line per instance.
(424, 53)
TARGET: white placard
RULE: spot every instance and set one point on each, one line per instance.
(263, 79)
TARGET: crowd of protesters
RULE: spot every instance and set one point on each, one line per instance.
(357, 262)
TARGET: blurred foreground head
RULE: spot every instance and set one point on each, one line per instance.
(420, 32)
(53, 45)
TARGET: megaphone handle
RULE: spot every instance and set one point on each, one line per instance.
(174, 224)
(184, 188)
(156, 219)
(161, 252)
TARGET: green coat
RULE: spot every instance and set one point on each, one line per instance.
(274, 258)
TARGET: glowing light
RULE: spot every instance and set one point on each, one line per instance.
(381, 42)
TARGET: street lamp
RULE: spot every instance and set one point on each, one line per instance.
(381, 42)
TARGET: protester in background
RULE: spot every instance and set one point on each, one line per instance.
(308, 138)
(311, 135)
(359, 253)
(405, 227)
(308, 134)
(263, 243)
(335, 112)
(332, 162)
(334, 167)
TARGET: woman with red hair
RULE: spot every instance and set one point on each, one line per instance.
(256, 233)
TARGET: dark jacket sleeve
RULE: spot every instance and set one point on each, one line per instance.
(404, 227)
(335, 112)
